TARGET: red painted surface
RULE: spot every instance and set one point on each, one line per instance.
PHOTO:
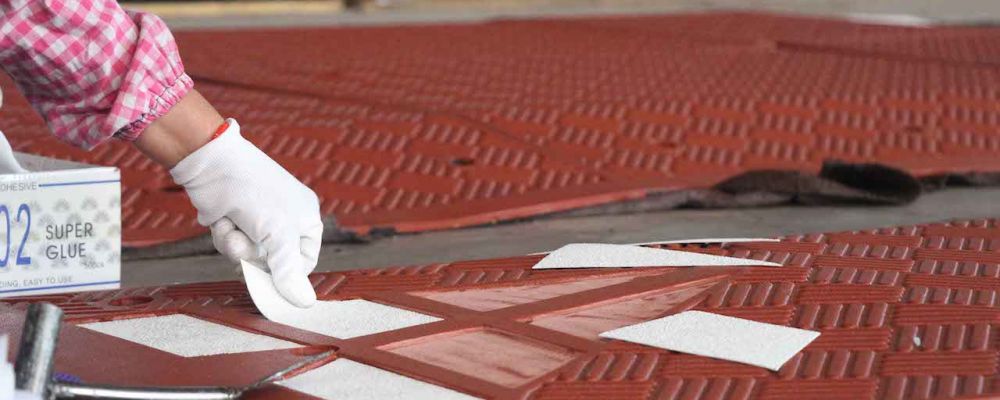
(593, 319)
(433, 127)
(486, 299)
(905, 312)
(488, 354)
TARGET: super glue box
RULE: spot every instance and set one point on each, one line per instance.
(60, 228)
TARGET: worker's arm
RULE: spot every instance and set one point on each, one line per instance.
(96, 72)
(92, 70)
(185, 128)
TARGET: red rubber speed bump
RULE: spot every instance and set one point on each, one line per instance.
(431, 127)
(904, 312)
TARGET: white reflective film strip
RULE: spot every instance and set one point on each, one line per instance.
(188, 336)
(709, 241)
(340, 319)
(344, 379)
(595, 255)
(692, 241)
(719, 336)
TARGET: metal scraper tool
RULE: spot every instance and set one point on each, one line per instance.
(36, 355)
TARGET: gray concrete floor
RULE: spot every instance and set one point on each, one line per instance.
(527, 237)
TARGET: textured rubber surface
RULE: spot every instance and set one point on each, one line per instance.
(432, 127)
(905, 312)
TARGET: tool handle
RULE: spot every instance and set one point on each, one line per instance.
(77, 391)
(35, 357)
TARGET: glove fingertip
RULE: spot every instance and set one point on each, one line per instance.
(297, 290)
(223, 225)
(239, 247)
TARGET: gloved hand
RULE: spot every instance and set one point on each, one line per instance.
(8, 165)
(255, 208)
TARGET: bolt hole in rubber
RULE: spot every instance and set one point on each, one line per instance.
(173, 189)
(130, 301)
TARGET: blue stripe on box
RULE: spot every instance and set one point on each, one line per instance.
(77, 183)
(59, 286)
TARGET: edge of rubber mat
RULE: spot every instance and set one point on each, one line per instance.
(650, 201)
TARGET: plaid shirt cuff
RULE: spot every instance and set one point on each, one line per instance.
(160, 105)
(91, 69)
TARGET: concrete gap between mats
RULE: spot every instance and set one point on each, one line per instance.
(836, 184)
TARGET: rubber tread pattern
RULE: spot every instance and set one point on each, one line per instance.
(908, 312)
(419, 128)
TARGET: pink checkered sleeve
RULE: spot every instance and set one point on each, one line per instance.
(92, 70)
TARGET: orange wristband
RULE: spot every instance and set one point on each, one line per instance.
(220, 130)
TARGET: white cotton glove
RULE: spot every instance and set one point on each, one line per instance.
(8, 164)
(256, 209)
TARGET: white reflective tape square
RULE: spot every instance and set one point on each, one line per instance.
(187, 336)
(344, 379)
(719, 336)
(600, 255)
